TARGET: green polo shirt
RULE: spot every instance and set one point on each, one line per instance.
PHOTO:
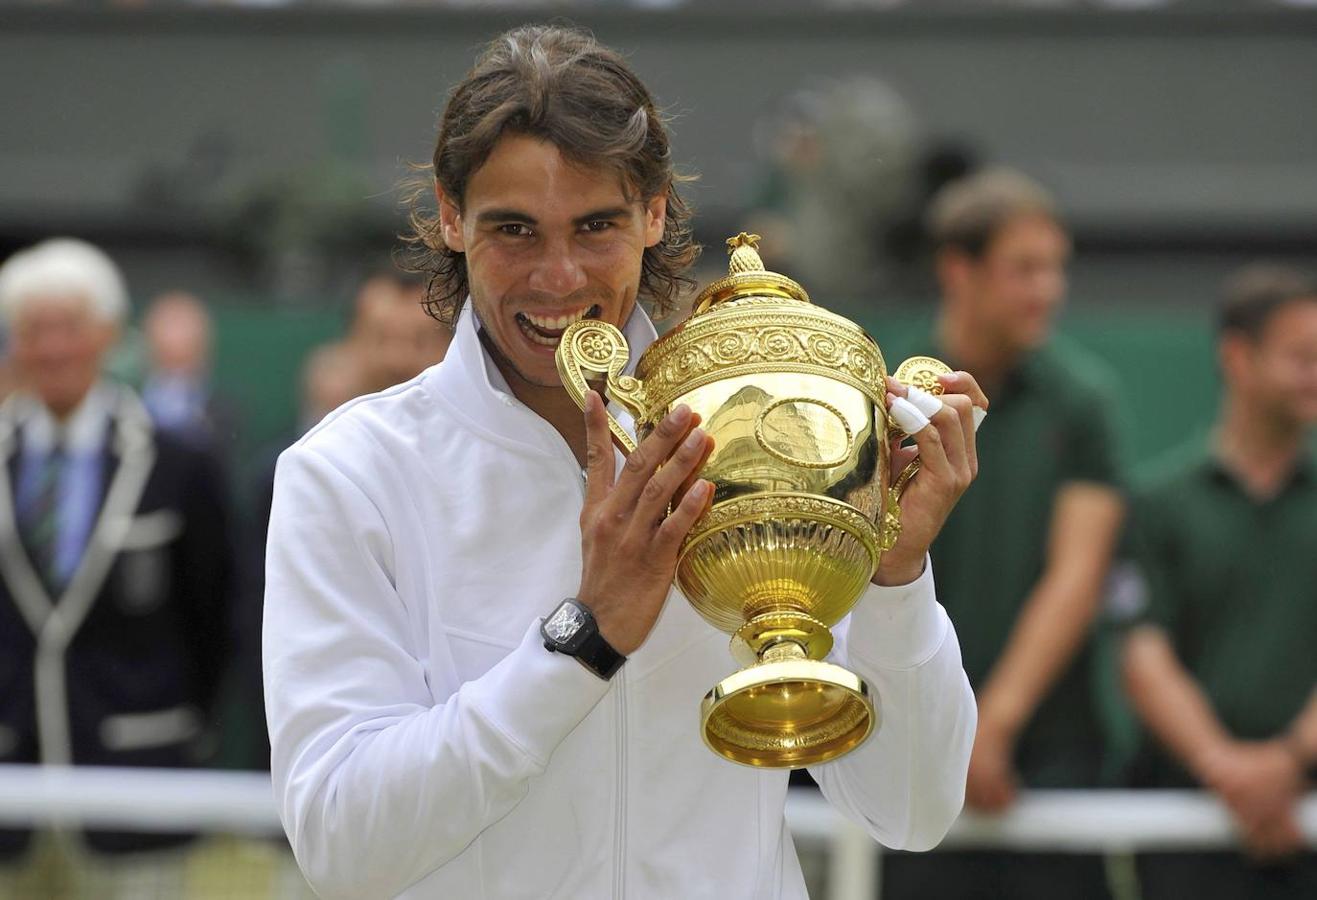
(1233, 581)
(1052, 422)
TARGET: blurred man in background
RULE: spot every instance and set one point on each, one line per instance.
(840, 160)
(115, 569)
(390, 334)
(1022, 560)
(331, 376)
(1222, 664)
(177, 390)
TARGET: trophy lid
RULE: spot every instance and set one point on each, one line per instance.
(747, 277)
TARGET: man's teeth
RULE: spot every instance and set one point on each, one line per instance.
(538, 338)
(550, 323)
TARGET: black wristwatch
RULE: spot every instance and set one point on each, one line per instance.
(572, 630)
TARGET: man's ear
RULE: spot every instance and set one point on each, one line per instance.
(450, 221)
(656, 217)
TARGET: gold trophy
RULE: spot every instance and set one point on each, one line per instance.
(802, 511)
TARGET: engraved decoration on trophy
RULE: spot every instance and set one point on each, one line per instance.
(802, 511)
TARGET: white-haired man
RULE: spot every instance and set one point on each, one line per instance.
(114, 573)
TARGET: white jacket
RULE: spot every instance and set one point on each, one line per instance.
(425, 744)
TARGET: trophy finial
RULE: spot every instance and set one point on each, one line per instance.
(745, 255)
(747, 277)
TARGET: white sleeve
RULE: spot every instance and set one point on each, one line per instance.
(906, 784)
(378, 782)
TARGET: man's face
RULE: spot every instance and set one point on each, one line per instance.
(1278, 370)
(58, 344)
(547, 243)
(392, 334)
(1017, 286)
(178, 336)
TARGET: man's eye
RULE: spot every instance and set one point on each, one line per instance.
(515, 229)
(598, 226)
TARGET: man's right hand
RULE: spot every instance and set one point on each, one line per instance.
(629, 540)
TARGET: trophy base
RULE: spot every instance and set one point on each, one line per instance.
(787, 714)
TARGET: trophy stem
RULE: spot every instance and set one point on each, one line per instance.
(780, 634)
(783, 651)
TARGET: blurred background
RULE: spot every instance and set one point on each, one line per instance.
(241, 163)
(250, 152)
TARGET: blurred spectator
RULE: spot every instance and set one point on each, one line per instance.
(391, 334)
(1022, 560)
(115, 570)
(1221, 663)
(842, 164)
(331, 376)
(177, 389)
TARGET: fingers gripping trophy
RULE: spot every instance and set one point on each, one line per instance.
(802, 509)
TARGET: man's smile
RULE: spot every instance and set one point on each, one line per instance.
(547, 330)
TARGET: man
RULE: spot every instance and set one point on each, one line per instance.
(390, 335)
(177, 391)
(114, 573)
(331, 376)
(425, 740)
(1221, 666)
(1022, 560)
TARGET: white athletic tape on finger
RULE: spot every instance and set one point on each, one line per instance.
(979, 415)
(923, 401)
(908, 417)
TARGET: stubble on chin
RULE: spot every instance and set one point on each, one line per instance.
(511, 371)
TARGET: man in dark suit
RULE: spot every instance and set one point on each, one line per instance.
(115, 573)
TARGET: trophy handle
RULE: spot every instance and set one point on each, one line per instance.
(594, 347)
(920, 372)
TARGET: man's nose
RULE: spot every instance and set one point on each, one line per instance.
(557, 271)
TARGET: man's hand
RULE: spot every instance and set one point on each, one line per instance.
(992, 784)
(1260, 781)
(629, 540)
(949, 462)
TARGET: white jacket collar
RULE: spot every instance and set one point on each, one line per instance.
(473, 386)
(83, 431)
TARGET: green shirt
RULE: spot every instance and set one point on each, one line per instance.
(1051, 422)
(1233, 581)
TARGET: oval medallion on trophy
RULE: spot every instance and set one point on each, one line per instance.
(804, 432)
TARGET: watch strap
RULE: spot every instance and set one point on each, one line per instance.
(597, 655)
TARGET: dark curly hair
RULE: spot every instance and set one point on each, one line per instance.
(561, 85)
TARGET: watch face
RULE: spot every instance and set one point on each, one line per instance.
(564, 623)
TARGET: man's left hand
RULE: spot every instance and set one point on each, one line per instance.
(949, 462)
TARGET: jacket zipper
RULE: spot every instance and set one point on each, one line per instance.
(619, 826)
